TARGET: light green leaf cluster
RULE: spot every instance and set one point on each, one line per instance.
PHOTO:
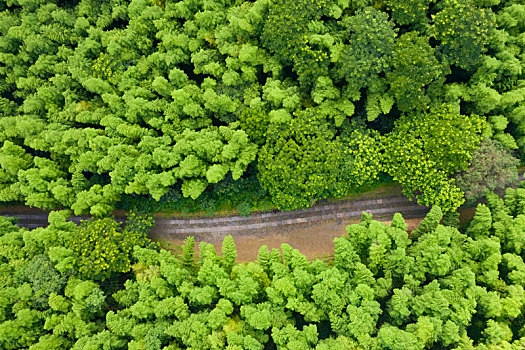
(422, 153)
(303, 161)
(386, 288)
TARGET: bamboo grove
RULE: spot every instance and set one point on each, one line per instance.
(110, 99)
(435, 288)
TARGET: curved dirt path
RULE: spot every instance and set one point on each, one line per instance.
(311, 231)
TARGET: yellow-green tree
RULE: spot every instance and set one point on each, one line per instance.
(103, 247)
(423, 152)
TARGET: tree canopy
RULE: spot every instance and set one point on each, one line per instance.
(103, 101)
(386, 288)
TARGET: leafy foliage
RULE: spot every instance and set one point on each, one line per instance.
(369, 49)
(244, 194)
(286, 33)
(103, 248)
(111, 102)
(463, 31)
(414, 68)
(410, 12)
(303, 161)
(437, 287)
(492, 167)
(423, 152)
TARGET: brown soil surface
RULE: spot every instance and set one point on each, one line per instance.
(314, 242)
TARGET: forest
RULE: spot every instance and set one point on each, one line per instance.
(438, 287)
(111, 103)
(185, 105)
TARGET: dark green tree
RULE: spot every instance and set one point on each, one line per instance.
(413, 68)
(368, 50)
(463, 30)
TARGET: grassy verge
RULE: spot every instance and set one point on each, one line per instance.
(370, 191)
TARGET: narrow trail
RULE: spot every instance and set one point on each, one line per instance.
(311, 231)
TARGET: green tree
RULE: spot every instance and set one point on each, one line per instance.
(286, 33)
(429, 223)
(103, 248)
(423, 152)
(255, 123)
(304, 161)
(13, 158)
(45, 280)
(368, 51)
(413, 68)
(410, 12)
(463, 30)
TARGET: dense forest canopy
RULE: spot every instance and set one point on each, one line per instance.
(108, 98)
(63, 287)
